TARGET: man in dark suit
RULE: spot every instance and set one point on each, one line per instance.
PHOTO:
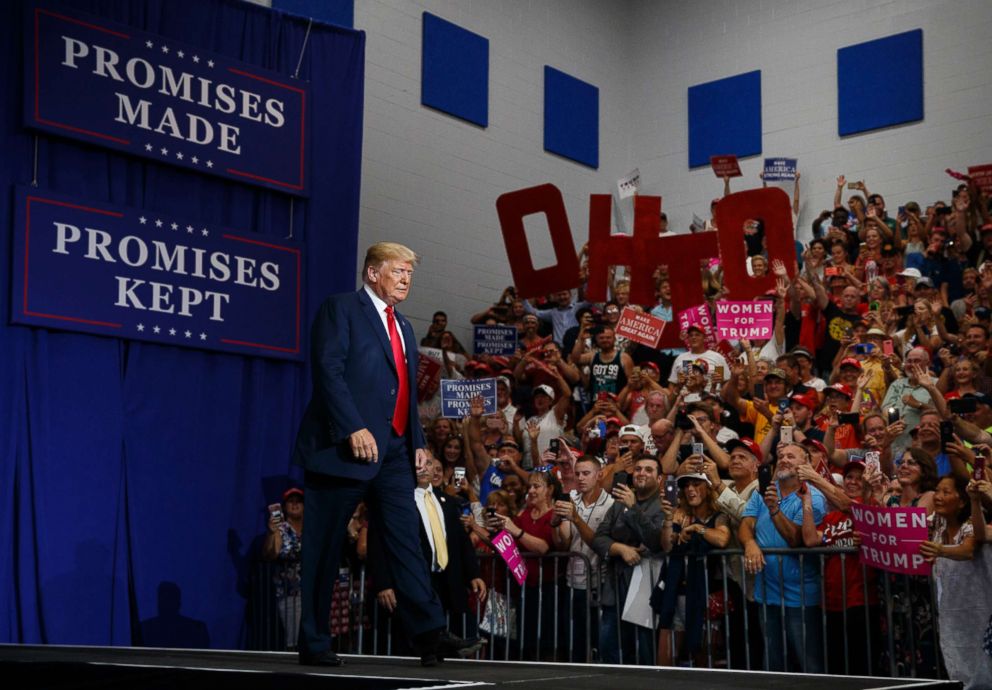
(446, 547)
(360, 438)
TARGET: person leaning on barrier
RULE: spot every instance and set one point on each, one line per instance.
(691, 529)
(850, 590)
(962, 582)
(532, 530)
(745, 456)
(580, 517)
(774, 521)
(630, 531)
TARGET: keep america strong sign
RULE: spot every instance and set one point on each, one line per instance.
(114, 86)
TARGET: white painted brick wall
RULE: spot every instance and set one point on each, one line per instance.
(794, 43)
(431, 180)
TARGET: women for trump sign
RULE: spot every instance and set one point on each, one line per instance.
(738, 320)
(891, 538)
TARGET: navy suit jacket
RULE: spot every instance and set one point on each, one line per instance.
(354, 387)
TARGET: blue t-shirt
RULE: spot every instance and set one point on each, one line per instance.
(492, 480)
(768, 589)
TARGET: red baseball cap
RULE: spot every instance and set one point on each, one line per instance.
(292, 491)
(808, 399)
(813, 443)
(840, 388)
(850, 362)
(747, 444)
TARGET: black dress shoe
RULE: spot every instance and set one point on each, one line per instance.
(327, 658)
(451, 645)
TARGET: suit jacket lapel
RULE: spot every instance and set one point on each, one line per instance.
(376, 322)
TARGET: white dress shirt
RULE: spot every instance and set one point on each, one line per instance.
(419, 496)
(380, 308)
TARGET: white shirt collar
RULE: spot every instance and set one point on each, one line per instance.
(380, 306)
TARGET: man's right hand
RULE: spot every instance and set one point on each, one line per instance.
(629, 554)
(387, 599)
(363, 446)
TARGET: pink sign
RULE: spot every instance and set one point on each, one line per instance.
(507, 548)
(725, 166)
(891, 538)
(428, 377)
(752, 320)
(641, 328)
(982, 175)
(698, 316)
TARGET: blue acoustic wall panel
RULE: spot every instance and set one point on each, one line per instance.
(725, 118)
(880, 83)
(455, 70)
(340, 12)
(571, 117)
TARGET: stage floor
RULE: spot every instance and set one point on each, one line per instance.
(60, 667)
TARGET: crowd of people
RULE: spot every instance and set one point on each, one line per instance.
(875, 388)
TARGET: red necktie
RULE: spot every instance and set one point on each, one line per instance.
(402, 409)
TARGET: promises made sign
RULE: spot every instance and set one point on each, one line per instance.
(115, 86)
(131, 273)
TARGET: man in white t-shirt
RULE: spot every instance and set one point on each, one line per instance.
(696, 340)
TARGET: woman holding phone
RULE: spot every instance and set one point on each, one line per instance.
(691, 529)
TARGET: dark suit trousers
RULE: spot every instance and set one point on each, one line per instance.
(329, 503)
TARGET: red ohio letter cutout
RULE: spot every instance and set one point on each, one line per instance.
(685, 256)
(512, 207)
(772, 206)
(637, 251)
(643, 253)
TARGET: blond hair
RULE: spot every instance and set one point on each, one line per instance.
(381, 252)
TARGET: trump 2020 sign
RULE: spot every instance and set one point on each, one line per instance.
(114, 86)
(131, 273)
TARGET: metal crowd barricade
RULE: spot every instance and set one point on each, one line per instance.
(900, 635)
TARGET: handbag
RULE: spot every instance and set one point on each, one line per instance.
(499, 617)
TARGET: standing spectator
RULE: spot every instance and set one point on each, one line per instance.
(631, 530)
(561, 316)
(745, 456)
(283, 544)
(852, 627)
(610, 368)
(696, 340)
(454, 566)
(582, 515)
(691, 529)
(908, 394)
(549, 420)
(533, 532)
(951, 549)
(786, 589)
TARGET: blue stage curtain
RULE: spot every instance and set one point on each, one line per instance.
(131, 473)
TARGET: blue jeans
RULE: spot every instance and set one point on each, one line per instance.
(638, 643)
(791, 656)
